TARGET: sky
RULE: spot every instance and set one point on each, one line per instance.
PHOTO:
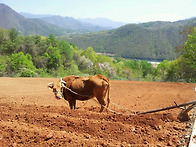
(128, 11)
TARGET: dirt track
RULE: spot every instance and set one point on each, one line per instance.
(31, 116)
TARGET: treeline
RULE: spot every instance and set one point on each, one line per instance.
(33, 56)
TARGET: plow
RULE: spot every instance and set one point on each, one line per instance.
(183, 116)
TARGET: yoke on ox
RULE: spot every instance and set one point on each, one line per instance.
(73, 88)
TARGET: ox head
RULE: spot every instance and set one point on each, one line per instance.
(57, 88)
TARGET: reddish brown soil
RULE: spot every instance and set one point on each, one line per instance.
(31, 116)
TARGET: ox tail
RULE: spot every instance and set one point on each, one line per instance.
(107, 92)
(108, 95)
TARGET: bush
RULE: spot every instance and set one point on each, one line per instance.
(25, 72)
(22, 65)
(3, 65)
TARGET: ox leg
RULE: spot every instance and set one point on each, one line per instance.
(102, 102)
(72, 104)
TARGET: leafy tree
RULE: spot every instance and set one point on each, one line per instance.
(40, 62)
(3, 65)
(90, 54)
(19, 60)
(13, 34)
(133, 64)
(65, 50)
(22, 64)
(36, 39)
(73, 69)
(1, 36)
(54, 57)
(52, 40)
(28, 46)
(173, 71)
(147, 68)
(189, 58)
(9, 47)
(103, 58)
(161, 70)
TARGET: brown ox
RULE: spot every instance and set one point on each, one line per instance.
(73, 88)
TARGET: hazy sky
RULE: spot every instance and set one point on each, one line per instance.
(130, 11)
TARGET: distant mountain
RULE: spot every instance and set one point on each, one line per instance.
(46, 24)
(152, 40)
(81, 24)
(11, 19)
(29, 15)
(102, 22)
(73, 24)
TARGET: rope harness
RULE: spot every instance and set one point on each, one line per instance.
(64, 86)
(76, 92)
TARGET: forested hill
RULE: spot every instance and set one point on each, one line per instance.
(152, 40)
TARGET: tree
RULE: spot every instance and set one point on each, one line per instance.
(147, 68)
(19, 60)
(54, 57)
(13, 34)
(90, 54)
(173, 71)
(189, 58)
(65, 50)
(52, 40)
(3, 65)
(161, 70)
(1, 36)
(22, 65)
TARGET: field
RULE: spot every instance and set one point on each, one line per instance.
(31, 116)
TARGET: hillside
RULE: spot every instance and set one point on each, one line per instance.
(11, 19)
(153, 40)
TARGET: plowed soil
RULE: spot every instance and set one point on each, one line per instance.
(31, 116)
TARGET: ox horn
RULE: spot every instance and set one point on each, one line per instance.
(50, 85)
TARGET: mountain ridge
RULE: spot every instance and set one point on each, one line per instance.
(104, 23)
(70, 23)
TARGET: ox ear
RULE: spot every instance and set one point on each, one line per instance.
(50, 85)
(63, 83)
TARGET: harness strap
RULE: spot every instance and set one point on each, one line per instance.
(76, 92)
